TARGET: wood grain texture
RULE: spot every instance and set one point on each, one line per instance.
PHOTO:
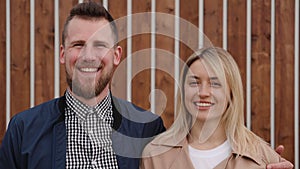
(260, 80)
(64, 10)
(236, 39)
(213, 20)
(188, 14)
(44, 51)
(141, 55)
(284, 95)
(165, 63)
(118, 9)
(236, 35)
(2, 69)
(20, 56)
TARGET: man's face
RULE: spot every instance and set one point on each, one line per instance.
(89, 56)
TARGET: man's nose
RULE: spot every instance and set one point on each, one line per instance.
(88, 53)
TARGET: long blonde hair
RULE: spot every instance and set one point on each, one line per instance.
(228, 72)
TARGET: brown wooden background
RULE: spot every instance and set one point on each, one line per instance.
(213, 11)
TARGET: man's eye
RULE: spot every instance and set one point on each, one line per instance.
(77, 45)
(100, 46)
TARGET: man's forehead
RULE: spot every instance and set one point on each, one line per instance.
(89, 30)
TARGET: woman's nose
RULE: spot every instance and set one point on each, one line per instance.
(204, 90)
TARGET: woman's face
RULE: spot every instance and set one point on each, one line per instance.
(205, 96)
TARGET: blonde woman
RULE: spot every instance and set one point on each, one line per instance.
(209, 130)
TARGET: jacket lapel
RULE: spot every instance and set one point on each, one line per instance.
(59, 138)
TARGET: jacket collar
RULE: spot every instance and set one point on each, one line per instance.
(257, 158)
(62, 104)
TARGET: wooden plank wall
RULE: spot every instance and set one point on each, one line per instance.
(141, 88)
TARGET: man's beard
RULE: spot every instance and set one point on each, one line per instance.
(85, 91)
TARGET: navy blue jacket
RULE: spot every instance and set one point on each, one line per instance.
(36, 138)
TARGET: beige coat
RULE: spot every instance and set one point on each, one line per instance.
(177, 157)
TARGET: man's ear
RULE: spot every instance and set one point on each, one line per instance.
(62, 55)
(117, 55)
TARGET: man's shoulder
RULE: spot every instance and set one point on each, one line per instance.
(43, 110)
(133, 112)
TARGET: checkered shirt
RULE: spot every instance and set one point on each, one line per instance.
(89, 143)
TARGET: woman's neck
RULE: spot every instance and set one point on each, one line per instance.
(207, 135)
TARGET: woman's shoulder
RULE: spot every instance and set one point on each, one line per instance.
(268, 154)
(263, 155)
(160, 146)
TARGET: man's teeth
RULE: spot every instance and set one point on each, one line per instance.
(203, 104)
(89, 69)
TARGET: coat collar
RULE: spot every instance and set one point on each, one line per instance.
(183, 144)
(62, 104)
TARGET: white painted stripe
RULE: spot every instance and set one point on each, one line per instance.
(153, 58)
(129, 48)
(176, 50)
(225, 4)
(272, 105)
(248, 65)
(105, 4)
(32, 52)
(7, 61)
(56, 49)
(296, 90)
(201, 24)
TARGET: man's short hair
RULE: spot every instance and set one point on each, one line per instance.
(90, 11)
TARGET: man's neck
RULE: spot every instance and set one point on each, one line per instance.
(92, 101)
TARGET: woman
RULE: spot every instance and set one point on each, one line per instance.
(209, 130)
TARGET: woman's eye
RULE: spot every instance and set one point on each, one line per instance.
(193, 83)
(215, 84)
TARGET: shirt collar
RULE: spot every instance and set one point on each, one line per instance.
(103, 109)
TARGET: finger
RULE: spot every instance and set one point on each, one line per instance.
(280, 149)
(281, 165)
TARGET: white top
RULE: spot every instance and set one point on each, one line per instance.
(208, 159)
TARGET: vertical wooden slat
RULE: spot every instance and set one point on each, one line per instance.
(261, 11)
(64, 10)
(2, 70)
(165, 81)
(141, 81)
(44, 51)
(237, 28)
(213, 21)
(118, 10)
(189, 13)
(237, 35)
(285, 76)
(20, 52)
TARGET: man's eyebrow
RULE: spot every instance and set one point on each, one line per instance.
(100, 42)
(77, 41)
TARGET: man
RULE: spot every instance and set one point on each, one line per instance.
(87, 127)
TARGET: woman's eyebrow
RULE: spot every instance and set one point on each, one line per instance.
(214, 78)
(193, 77)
